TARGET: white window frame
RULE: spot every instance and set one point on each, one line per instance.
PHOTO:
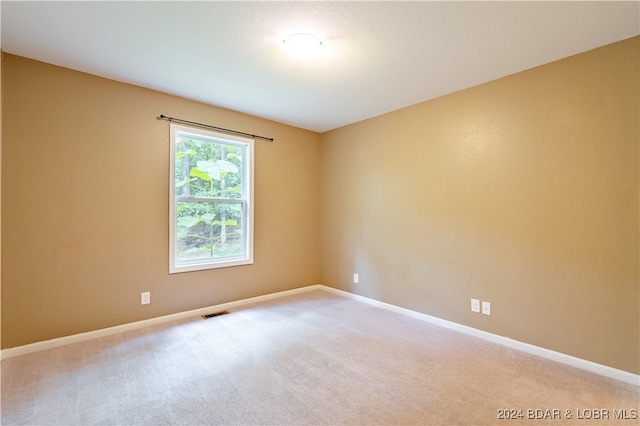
(246, 258)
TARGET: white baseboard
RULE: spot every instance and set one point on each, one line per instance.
(593, 367)
(603, 370)
(75, 338)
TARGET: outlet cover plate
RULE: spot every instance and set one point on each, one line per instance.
(475, 305)
(145, 298)
(486, 308)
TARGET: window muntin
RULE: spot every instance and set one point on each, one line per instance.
(211, 200)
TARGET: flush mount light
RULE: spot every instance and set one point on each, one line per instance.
(302, 46)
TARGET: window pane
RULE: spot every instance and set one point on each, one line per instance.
(208, 168)
(211, 208)
(207, 231)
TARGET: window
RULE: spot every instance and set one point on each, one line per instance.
(211, 200)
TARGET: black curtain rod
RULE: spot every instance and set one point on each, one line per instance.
(207, 126)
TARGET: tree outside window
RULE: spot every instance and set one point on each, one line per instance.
(211, 200)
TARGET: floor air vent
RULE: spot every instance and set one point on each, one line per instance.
(217, 314)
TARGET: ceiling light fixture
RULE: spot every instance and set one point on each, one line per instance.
(302, 46)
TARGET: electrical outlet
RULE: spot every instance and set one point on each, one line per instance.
(475, 305)
(486, 308)
(145, 298)
(355, 278)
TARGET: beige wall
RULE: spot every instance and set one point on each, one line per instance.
(522, 192)
(85, 205)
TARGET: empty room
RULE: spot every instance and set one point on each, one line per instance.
(301, 213)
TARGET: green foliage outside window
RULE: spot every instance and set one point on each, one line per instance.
(208, 178)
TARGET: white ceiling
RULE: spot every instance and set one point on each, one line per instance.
(378, 56)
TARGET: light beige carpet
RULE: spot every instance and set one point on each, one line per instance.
(312, 358)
